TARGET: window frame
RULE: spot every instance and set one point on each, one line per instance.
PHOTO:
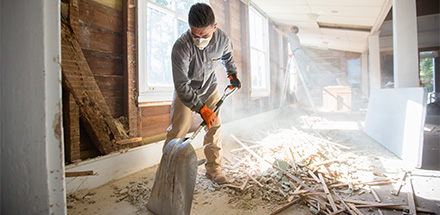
(150, 94)
(264, 91)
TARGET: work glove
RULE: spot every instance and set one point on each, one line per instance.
(208, 115)
(235, 83)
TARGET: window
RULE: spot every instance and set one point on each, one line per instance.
(259, 51)
(161, 22)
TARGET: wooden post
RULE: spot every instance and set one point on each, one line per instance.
(131, 91)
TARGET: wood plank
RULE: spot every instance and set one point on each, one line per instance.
(80, 173)
(88, 96)
(92, 37)
(110, 86)
(116, 4)
(411, 201)
(152, 120)
(155, 130)
(104, 63)
(98, 15)
(155, 110)
(327, 191)
(129, 141)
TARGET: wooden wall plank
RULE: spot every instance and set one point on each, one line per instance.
(102, 63)
(104, 17)
(116, 4)
(92, 37)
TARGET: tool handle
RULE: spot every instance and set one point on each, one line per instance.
(229, 90)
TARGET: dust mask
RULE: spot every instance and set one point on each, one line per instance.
(201, 43)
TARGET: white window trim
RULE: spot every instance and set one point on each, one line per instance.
(262, 92)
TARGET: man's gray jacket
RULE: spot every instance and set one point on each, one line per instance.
(194, 69)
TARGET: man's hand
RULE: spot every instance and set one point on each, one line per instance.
(208, 115)
(235, 83)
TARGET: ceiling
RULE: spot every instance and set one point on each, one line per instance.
(329, 24)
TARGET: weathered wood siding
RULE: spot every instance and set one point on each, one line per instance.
(100, 35)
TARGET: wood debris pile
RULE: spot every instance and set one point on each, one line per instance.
(292, 166)
(137, 193)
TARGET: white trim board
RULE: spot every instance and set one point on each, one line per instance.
(395, 119)
(118, 165)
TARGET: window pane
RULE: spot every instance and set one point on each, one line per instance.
(182, 27)
(160, 38)
(258, 68)
(165, 3)
(182, 6)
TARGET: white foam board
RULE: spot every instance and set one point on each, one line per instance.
(395, 119)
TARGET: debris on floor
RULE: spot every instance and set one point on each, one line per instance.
(289, 167)
(292, 166)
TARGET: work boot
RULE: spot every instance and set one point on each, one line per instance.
(217, 177)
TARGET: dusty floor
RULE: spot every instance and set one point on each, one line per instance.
(370, 160)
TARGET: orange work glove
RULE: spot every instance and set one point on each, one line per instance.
(208, 115)
(234, 81)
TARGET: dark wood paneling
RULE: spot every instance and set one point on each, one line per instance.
(101, 16)
(102, 63)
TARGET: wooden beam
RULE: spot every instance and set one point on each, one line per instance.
(131, 91)
(79, 80)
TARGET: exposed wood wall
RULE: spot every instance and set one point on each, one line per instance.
(100, 35)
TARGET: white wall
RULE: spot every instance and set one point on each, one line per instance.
(32, 177)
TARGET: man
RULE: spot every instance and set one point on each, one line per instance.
(295, 47)
(194, 58)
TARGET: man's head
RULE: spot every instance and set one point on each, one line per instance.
(201, 21)
(201, 15)
(294, 29)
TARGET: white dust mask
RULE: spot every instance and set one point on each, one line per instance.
(201, 43)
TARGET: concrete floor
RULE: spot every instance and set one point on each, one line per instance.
(431, 141)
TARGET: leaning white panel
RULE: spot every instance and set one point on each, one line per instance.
(395, 118)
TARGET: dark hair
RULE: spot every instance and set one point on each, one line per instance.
(295, 28)
(201, 15)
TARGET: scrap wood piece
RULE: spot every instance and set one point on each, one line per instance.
(284, 207)
(239, 149)
(327, 191)
(314, 176)
(241, 188)
(79, 173)
(129, 141)
(316, 165)
(253, 179)
(343, 202)
(411, 200)
(375, 195)
(400, 184)
(352, 206)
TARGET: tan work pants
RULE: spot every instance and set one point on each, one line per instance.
(181, 120)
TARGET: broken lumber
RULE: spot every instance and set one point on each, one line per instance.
(284, 207)
(79, 173)
(411, 200)
(400, 184)
(129, 141)
(329, 195)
